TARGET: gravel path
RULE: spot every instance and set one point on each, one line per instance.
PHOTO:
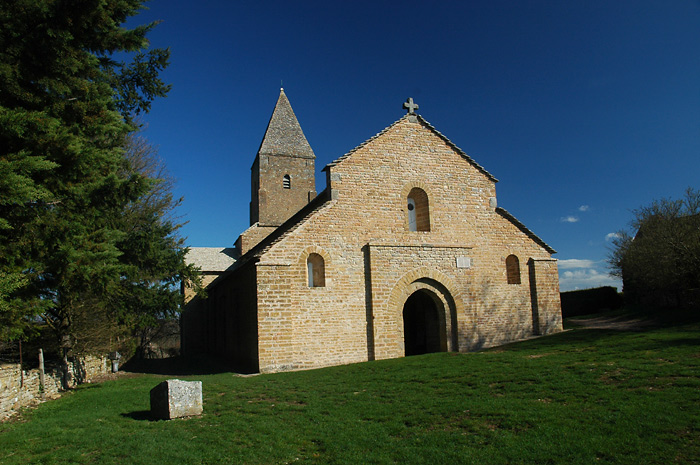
(620, 323)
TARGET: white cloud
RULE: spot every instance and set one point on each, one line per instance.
(611, 236)
(578, 273)
(584, 208)
(569, 219)
(586, 279)
(573, 263)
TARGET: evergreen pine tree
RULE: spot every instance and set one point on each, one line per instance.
(66, 109)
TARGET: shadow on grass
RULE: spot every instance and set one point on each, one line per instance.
(140, 415)
(176, 366)
(590, 338)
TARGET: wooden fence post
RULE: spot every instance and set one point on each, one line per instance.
(42, 386)
(21, 366)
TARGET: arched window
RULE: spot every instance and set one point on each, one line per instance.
(418, 210)
(316, 270)
(287, 182)
(513, 269)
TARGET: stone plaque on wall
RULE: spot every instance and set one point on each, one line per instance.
(464, 262)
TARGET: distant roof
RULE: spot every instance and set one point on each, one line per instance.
(215, 259)
(283, 135)
(431, 128)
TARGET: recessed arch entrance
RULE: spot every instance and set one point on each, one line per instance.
(424, 323)
(390, 335)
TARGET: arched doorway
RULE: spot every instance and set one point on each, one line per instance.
(424, 324)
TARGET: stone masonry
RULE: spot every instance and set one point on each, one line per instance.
(283, 169)
(19, 389)
(380, 269)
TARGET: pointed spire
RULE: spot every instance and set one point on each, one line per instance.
(284, 135)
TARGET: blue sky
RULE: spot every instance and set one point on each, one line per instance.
(584, 110)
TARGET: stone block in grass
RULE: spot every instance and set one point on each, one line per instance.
(175, 398)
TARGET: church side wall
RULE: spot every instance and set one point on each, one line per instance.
(546, 299)
(224, 324)
(242, 331)
(305, 327)
(193, 320)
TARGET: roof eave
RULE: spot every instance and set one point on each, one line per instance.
(507, 215)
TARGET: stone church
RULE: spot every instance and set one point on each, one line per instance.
(404, 252)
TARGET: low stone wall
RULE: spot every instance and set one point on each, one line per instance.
(16, 393)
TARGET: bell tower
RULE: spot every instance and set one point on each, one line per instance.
(283, 173)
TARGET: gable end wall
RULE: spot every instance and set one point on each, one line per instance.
(372, 260)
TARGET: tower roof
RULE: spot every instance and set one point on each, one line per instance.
(284, 135)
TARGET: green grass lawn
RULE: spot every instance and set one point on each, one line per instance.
(583, 396)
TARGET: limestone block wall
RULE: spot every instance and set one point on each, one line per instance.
(272, 202)
(224, 324)
(397, 272)
(546, 299)
(15, 393)
(304, 327)
(268, 315)
(252, 236)
(504, 311)
(372, 185)
(373, 261)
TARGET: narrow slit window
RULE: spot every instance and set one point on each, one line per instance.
(513, 269)
(411, 214)
(316, 270)
(418, 210)
(287, 182)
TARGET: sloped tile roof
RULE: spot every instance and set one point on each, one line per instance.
(283, 135)
(216, 259)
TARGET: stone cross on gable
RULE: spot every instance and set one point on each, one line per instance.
(410, 106)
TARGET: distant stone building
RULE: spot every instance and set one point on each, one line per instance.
(404, 252)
